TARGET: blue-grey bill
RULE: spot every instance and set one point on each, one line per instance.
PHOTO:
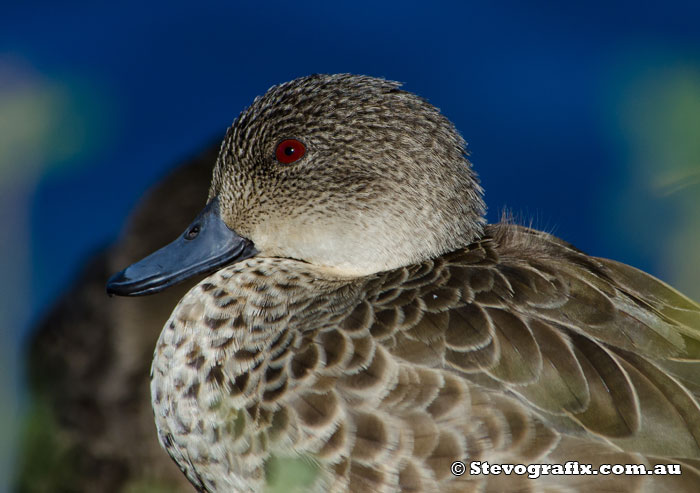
(206, 245)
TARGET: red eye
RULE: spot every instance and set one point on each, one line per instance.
(289, 150)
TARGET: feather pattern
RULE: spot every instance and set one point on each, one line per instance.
(515, 349)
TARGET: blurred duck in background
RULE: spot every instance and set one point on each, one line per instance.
(92, 423)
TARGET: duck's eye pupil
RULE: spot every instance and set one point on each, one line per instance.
(289, 151)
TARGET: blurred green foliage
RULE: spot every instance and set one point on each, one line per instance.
(48, 465)
(660, 120)
(45, 124)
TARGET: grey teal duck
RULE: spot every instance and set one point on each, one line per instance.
(361, 315)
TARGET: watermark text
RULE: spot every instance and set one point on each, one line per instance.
(571, 468)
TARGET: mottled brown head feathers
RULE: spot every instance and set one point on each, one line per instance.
(384, 181)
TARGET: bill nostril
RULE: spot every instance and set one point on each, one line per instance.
(192, 233)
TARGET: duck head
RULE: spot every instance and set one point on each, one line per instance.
(345, 172)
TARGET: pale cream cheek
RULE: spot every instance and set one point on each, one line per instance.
(338, 245)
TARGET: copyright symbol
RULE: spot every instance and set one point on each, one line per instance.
(458, 468)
